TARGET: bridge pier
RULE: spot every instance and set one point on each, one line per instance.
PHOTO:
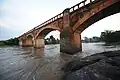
(70, 42)
(29, 43)
(24, 43)
(39, 43)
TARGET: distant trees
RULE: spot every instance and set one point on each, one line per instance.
(51, 40)
(12, 41)
(107, 36)
(93, 39)
(110, 36)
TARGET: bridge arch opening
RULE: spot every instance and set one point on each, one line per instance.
(52, 37)
(43, 35)
(29, 40)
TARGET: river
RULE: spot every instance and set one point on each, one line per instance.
(27, 63)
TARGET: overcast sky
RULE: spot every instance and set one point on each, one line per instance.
(19, 16)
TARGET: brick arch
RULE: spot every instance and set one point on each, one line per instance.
(22, 41)
(29, 40)
(45, 30)
(30, 35)
(95, 15)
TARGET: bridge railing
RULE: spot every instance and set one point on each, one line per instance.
(81, 4)
(72, 9)
(47, 22)
(50, 20)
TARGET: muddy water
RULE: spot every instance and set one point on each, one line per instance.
(27, 63)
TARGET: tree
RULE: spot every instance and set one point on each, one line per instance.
(105, 35)
(12, 41)
(51, 40)
(110, 36)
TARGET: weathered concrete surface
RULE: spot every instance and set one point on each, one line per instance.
(103, 66)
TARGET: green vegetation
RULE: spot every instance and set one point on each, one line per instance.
(51, 40)
(10, 42)
(2, 43)
(93, 39)
(108, 36)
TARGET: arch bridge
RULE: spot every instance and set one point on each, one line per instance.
(71, 23)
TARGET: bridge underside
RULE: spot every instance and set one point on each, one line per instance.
(39, 39)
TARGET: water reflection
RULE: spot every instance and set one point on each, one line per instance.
(27, 63)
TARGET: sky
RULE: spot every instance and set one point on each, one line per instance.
(19, 16)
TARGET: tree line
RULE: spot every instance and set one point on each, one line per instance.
(110, 36)
(12, 41)
(107, 36)
(52, 40)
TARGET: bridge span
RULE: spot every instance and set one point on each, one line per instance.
(71, 23)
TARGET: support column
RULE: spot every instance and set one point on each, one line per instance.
(39, 43)
(29, 43)
(70, 42)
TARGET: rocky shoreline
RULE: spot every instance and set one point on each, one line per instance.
(101, 66)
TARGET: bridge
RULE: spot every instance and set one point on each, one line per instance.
(71, 23)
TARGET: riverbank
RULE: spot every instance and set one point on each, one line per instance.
(101, 66)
